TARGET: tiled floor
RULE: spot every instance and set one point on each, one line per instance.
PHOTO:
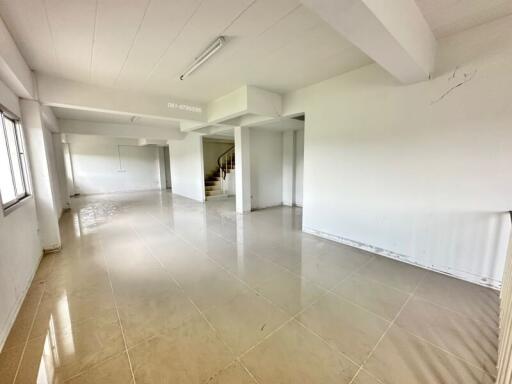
(151, 288)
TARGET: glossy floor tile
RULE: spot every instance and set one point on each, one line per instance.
(154, 288)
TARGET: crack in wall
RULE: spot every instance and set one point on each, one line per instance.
(467, 76)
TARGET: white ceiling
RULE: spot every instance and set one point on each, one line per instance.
(145, 44)
(103, 117)
(447, 17)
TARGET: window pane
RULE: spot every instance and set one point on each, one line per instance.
(15, 161)
(23, 159)
(6, 182)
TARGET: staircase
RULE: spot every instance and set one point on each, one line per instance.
(215, 182)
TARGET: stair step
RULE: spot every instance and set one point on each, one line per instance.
(214, 192)
(217, 197)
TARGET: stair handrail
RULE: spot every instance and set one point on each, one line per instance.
(224, 156)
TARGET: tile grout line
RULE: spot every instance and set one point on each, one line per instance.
(327, 290)
(25, 344)
(411, 295)
(117, 313)
(294, 317)
(201, 313)
(374, 257)
(330, 290)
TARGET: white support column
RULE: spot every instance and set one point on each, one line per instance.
(61, 169)
(243, 169)
(161, 167)
(68, 162)
(47, 215)
(288, 168)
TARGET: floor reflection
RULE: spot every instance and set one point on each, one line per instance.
(151, 287)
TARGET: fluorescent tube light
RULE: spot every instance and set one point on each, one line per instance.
(205, 55)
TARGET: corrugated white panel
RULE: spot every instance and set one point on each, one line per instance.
(505, 345)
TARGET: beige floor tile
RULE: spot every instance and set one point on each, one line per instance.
(245, 320)
(364, 377)
(254, 270)
(9, 360)
(329, 269)
(471, 300)
(114, 370)
(471, 340)
(293, 355)
(234, 374)
(45, 268)
(286, 257)
(208, 285)
(62, 355)
(372, 295)
(78, 277)
(290, 292)
(21, 328)
(167, 256)
(394, 273)
(148, 317)
(191, 354)
(74, 306)
(403, 358)
(352, 330)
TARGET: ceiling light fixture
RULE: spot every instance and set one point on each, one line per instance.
(217, 44)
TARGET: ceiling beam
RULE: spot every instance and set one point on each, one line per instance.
(58, 92)
(392, 33)
(14, 71)
(132, 131)
(241, 107)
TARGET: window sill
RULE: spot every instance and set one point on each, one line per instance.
(16, 205)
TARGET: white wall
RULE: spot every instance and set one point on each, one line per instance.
(20, 248)
(299, 166)
(408, 173)
(107, 165)
(266, 148)
(187, 176)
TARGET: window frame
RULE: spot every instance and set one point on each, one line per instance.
(21, 158)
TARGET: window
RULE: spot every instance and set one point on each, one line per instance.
(14, 185)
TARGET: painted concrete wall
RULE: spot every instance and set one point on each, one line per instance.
(187, 174)
(20, 248)
(106, 165)
(266, 149)
(299, 166)
(418, 172)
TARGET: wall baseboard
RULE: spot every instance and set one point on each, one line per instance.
(461, 275)
(4, 333)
